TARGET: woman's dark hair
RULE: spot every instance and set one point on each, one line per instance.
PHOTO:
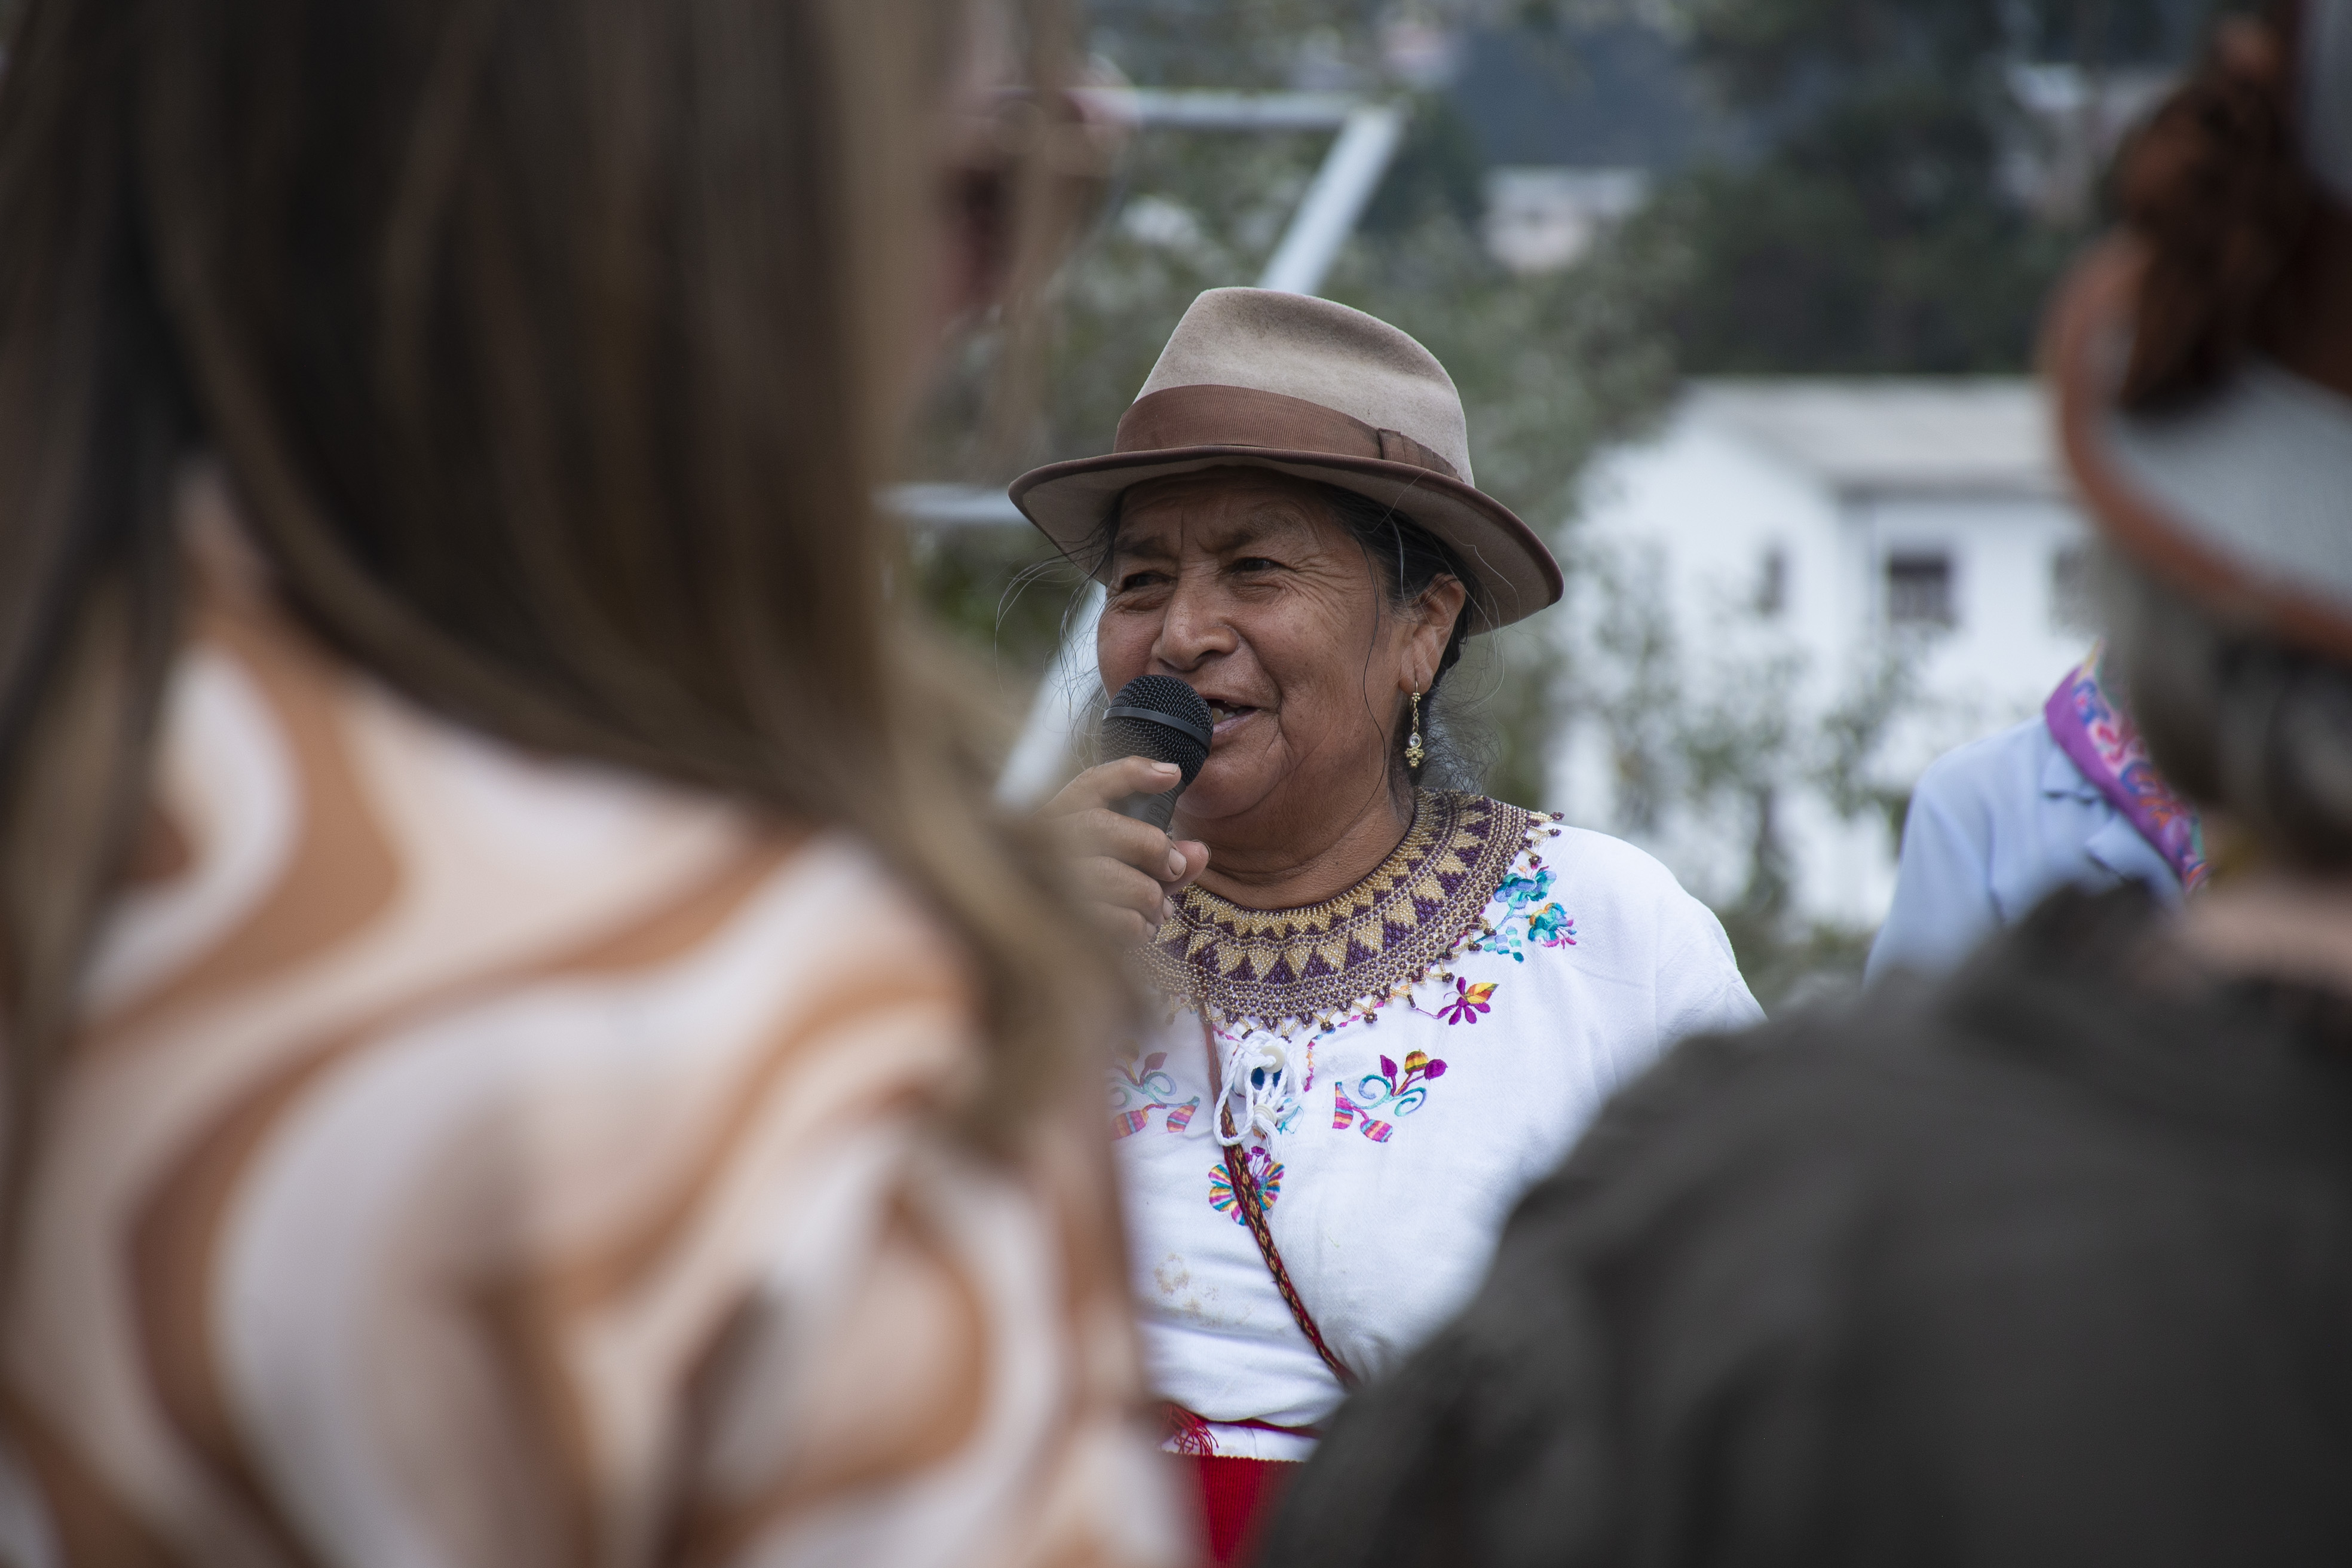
(552, 350)
(1407, 561)
(2214, 186)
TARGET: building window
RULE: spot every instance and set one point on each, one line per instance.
(1919, 588)
(2071, 604)
(1772, 583)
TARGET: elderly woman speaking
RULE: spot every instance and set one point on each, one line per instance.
(1390, 1007)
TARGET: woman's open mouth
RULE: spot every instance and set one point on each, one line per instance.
(1224, 716)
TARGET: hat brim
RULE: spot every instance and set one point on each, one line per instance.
(2082, 353)
(1516, 574)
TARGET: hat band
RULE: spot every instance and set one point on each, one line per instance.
(1244, 416)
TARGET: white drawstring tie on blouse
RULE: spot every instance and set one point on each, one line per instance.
(1258, 1088)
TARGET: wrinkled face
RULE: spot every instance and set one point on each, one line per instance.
(1240, 583)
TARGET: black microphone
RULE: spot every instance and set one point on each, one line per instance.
(1160, 717)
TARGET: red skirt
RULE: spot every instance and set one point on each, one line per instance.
(1238, 1498)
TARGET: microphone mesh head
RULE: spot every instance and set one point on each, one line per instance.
(1123, 736)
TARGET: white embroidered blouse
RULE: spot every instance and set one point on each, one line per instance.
(1404, 1062)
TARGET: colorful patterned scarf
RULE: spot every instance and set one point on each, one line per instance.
(2100, 738)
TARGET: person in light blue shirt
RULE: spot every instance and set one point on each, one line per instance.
(2067, 796)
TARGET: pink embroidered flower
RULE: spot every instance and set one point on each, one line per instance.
(1397, 1093)
(1469, 1000)
(1263, 1168)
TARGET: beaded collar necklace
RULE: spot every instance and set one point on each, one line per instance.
(1287, 970)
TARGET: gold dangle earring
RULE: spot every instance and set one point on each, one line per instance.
(1413, 752)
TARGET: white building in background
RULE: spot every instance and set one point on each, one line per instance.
(1789, 538)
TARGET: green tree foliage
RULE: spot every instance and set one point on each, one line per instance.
(1882, 228)
(1871, 242)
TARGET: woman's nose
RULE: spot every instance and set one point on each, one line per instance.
(1194, 626)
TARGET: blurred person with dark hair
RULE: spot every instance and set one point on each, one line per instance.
(2052, 1263)
(521, 1047)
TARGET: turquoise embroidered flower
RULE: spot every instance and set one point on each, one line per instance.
(1529, 917)
(1553, 926)
(1518, 892)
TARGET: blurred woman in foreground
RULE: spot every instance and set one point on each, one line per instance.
(518, 1048)
(2052, 1265)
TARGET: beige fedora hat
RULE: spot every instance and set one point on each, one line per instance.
(1259, 379)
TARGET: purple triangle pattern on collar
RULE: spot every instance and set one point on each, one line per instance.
(2099, 738)
(1302, 969)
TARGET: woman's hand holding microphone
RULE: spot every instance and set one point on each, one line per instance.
(1126, 873)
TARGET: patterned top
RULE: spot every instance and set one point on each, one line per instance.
(2099, 738)
(475, 1160)
(1500, 974)
(1287, 969)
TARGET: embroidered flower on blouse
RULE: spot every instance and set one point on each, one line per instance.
(1517, 892)
(1263, 1166)
(1397, 1093)
(1139, 1087)
(1553, 926)
(1529, 915)
(1467, 1001)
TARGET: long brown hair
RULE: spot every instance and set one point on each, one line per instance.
(549, 348)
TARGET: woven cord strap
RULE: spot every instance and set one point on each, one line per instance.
(1251, 1201)
(1252, 1207)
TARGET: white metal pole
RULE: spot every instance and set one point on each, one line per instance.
(1352, 171)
